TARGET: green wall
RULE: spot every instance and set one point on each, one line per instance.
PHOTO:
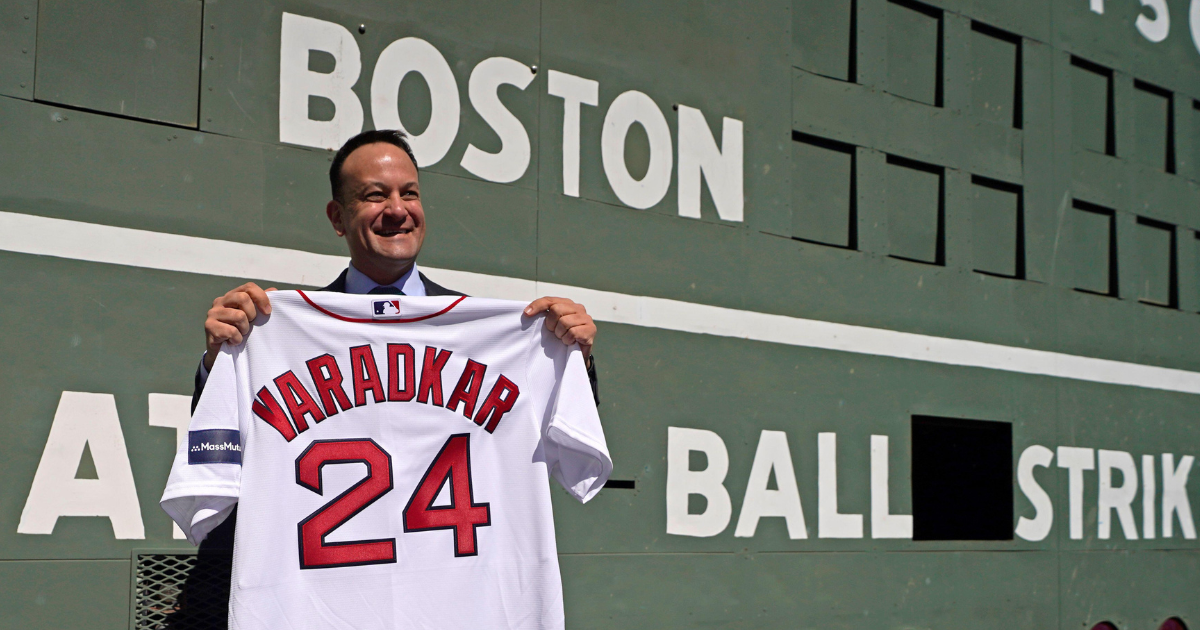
(1018, 173)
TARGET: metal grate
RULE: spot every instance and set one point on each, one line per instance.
(181, 591)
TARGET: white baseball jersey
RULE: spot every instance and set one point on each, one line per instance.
(390, 457)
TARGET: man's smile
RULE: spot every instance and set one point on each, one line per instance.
(388, 232)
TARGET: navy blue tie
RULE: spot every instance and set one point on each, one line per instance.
(388, 290)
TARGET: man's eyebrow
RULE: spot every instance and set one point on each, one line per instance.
(368, 185)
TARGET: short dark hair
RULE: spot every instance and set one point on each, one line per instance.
(390, 136)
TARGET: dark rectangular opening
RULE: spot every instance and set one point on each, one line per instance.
(1018, 90)
(1110, 121)
(962, 479)
(850, 150)
(1017, 190)
(620, 484)
(1113, 284)
(852, 65)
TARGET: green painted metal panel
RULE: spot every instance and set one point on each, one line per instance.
(1187, 148)
(1188, 277)
(872, 43)
(1130, 589)
(1046, 195)
(638, 252)
(993, 78)
(811, 590)
(821, 37)
(1192, 244)
(914, 211)
(217, 187)
(1156, 265)
(65, 594)
(994, 224)
(1090, 102)
(18, 44)
(1092, 255)
(822, 192)
(1151, 111)
(749, 60)
(1028, 18)
(956, 61)
(913, 51)
(471, 227)
(864, 117)
(133, 58)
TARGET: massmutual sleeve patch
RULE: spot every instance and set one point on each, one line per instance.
(215, 446)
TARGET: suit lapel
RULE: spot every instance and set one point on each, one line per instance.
(339, 285)
(433, 288)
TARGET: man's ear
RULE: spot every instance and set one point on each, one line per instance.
(333, 210)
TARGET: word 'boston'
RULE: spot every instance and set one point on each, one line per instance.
(402, 386)
(694, 155)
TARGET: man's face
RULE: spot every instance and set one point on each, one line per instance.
(380, 210)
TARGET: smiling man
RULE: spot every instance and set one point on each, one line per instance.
(376, 207)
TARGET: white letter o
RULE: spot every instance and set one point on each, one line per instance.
(626, 110)
(397, 60)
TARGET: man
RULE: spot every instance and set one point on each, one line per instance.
(376, 207)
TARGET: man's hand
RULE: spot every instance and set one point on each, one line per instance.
(569, 321)
(230, 317)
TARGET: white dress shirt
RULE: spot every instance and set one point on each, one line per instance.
(410, 283)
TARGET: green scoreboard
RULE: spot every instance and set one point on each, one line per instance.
(899, 300)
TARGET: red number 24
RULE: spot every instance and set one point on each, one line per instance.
(452, 467)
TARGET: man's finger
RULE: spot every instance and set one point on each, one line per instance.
(575, 319)
(234, 317)
(541, 304)
(258, 296)
(563, 309)
(220, 332)
(243, 302)
(561, 329)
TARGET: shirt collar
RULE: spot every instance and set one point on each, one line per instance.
(410, 283)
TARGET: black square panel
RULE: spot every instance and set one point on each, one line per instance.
(962, 479)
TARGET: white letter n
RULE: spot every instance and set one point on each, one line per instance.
(722, 167)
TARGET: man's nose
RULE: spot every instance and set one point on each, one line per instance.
(396, 208)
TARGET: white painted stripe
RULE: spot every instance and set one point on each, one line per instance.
(43, 236)
(156, 250)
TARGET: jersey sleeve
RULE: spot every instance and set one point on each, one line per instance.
(206, 474)
(572, 437)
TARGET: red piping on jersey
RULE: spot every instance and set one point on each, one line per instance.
(356, 320)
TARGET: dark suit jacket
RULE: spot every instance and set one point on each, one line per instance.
(431, 288)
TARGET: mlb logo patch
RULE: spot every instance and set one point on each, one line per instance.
(386, 308)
